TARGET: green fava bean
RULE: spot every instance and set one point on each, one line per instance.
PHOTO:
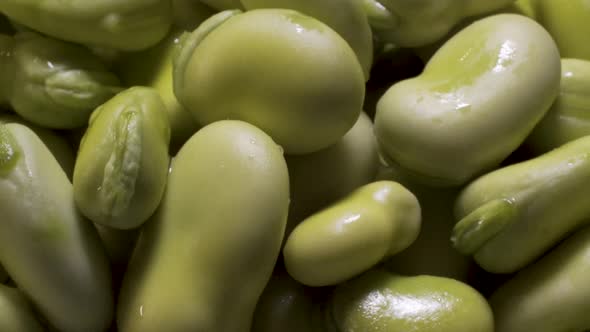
(569, 116)
(42, 235)
(569, 24)
(128, 25)
(16, 313)
(286, 73)
(153, 68)
(57, 144)
(378, 301)
(511, 216)
(122, 164)
(520, 7)
(375, 221)
(52, 83)
(323, 177)
(418, 23)
(474, 102)
(214, 240)
(346, 17)
(550, 294)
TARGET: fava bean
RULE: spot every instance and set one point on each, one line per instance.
(129, 25)
(48, 249)
(374, 222)
(569, 116)
(122, 163)
(286, 73)
(215, 239)
(52, 83)
(549, 295)
(511, 216)
(379, 301)
(57, 144)
(418, 23)
(346, 17)
(474, 103)
(226, 169)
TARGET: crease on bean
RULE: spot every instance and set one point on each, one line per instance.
(122, 169)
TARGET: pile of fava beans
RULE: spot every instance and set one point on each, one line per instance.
(295, 165)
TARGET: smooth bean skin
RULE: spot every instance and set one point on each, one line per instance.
(520, 7)
(549, 295)
(57, 144)
(132, 25)
(511, 216)
(53, 83)
(51, 252)
(214, 240)
(346, 17)
(347, 238)
(286, 73)
(475, 101)
(379, 301)
(569, 24)
(569, 116)
(408, 23)
(122, 163)
(153, 68)
(16, 313)
(323, 177)
(432, 252)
